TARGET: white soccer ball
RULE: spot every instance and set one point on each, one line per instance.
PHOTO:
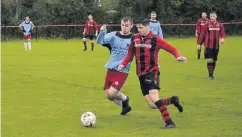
(88, 119)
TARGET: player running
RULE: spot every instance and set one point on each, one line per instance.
(118, 44)
(145, 47)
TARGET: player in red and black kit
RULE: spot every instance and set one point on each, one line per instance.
(90, 31)
(145, 47)
(213, 31)
(200, 29)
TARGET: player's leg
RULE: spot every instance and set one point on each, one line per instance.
(119, 79)
(92, 41)
(113, 83)
(85, 42)
(154, 96)
(167, 101)
(198, 47)
(115, 101)
(25, 43)
(210, 63)
(215, 58)
(29, 42)
(204, 51)
(198, 51)
(151, 82)
(149, 101)
(107, 85)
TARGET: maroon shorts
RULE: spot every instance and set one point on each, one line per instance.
(115, 79)
(27, 36)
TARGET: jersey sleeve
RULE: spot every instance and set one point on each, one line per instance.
(160, 31)
(32, 25)
(222, 33)
(21, 24)
(167, 47)
(95, 26)
(198, 26)
(130, 54)
(105, 38)
(86, 26)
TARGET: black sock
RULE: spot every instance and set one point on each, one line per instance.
(198, 53)
(92, 46)
(167, 101)
(164, 112)
(214, 65)
(85, 44)
(210, 68)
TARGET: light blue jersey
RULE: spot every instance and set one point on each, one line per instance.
(27, 27)
(118, 45)
(155, 28)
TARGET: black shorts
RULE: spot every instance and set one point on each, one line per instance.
(91, 37)
(149, 81)
(211, 53)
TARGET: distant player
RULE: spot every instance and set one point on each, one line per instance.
(145, 47)
(90, 31)
(200, 29)
(118, 43)
(155, 27)
(27, 26)
(213, 31)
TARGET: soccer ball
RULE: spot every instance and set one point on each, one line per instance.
(88, 119)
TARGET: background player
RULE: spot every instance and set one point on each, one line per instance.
(118, 43)
(214, 29)
(90, 31)
(27, 26)
(145, 46)
(155, 25)
(200, 29)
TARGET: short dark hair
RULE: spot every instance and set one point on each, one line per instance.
(144, 22)
(213, 12)
(153, 12)
(126, 19)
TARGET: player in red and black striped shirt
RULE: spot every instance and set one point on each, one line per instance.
(145, 46)
(90, 31)
(213, 31)
(200, 29)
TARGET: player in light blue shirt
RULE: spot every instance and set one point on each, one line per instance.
(118, 43)
(155, 25)
(27, 26)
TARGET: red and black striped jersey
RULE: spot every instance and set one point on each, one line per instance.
(201, 25)
(146, 49)
(90, 27)
(214, 30)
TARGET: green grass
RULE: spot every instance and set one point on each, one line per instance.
(45, 91)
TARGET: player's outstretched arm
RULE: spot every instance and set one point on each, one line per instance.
(167, 47)
(105, 38)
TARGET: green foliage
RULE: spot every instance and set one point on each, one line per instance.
(76, 11)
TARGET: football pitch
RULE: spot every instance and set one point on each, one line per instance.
(45, 91)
